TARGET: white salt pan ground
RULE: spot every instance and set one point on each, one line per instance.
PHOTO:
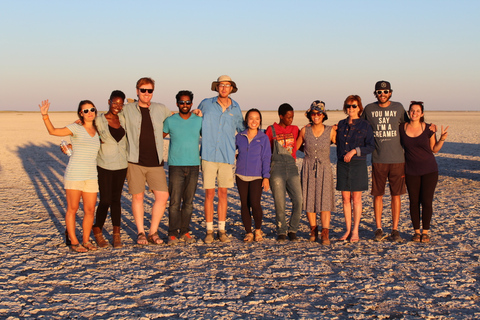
(41, 278)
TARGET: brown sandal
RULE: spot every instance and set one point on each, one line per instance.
(248, 237)
(154, 238)
(89, 246)
(78, 248)
(258, 235)
(142, 239)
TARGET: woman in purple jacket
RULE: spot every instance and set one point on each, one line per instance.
(252, 172)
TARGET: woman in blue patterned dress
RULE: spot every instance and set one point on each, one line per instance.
(81, 173)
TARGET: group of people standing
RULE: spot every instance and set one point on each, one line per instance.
(127, 142)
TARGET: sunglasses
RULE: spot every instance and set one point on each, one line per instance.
(182, 102)
(354, 106)
(142, 90)
(224, 85)
(379, 92)
(89, 110)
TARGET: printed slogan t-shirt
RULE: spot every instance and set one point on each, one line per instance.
(385, 124)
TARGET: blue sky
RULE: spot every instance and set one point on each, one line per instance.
(276, 51)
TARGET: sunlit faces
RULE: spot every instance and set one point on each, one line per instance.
(253, 120)
(87, 113)
(352, 109)
(383, 97)
(145, 97)
(116, 105)
(287, 119)
(184, 104)
(317, 117)
(415, 112)
(224, 89)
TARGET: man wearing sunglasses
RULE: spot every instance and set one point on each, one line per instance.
(183, 167)
(144, 127)
(388, 161)
(222, 118)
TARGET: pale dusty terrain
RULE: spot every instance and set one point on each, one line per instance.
(41, 278)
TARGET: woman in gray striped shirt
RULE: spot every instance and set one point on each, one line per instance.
(80, 178)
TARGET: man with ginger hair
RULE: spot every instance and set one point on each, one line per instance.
(144, 127)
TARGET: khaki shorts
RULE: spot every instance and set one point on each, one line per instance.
(88, 186)
(154, 176)
(222, 172)
(394, 172)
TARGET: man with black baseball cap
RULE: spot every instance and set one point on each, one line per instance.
(388, 160)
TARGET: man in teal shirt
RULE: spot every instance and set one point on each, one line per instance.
(183, 166)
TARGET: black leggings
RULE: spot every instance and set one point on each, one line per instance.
(250, 196)
(110, 184)
(420, 192)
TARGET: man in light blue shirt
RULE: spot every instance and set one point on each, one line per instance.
(222, 118)
(183, 167)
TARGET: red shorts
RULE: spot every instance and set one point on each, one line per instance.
(394, 172)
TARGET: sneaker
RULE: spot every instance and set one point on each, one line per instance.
(325, 236)
(282, 237)
(222, 236)
(209, 237)
(292, 236)
(395, 236)
(187, 238)
(379, 235)
(172, 240)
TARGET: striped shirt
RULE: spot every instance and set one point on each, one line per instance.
(82, 165)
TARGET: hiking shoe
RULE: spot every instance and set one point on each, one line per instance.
(324, 237)
(395, 236)
(292, 236)
(282, 237)
(379, 235)
(172, 240)
(209, 237)
(187, 238)
(222, 236)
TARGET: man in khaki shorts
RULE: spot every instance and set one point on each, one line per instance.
(144, 127)
(222, 118)
(388, 160)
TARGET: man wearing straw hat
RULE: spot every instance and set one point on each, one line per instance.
(222, 118)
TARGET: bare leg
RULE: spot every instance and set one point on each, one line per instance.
(325, 216)
(138, 211)
(396, 204)
(89, 202)
(73, 202)
(357, 212)
(209, 195)
(378, 208)
(347, 212)
(222, 204)
(158, 209)
(312, 218)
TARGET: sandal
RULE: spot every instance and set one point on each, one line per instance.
(417, 237)
(425, 238)
(248, 237)
(345, 237)
(142, 239)
(78, 248)
(89, 246)
(154, 238)
(258, 235)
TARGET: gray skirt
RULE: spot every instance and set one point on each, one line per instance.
(352, 176)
